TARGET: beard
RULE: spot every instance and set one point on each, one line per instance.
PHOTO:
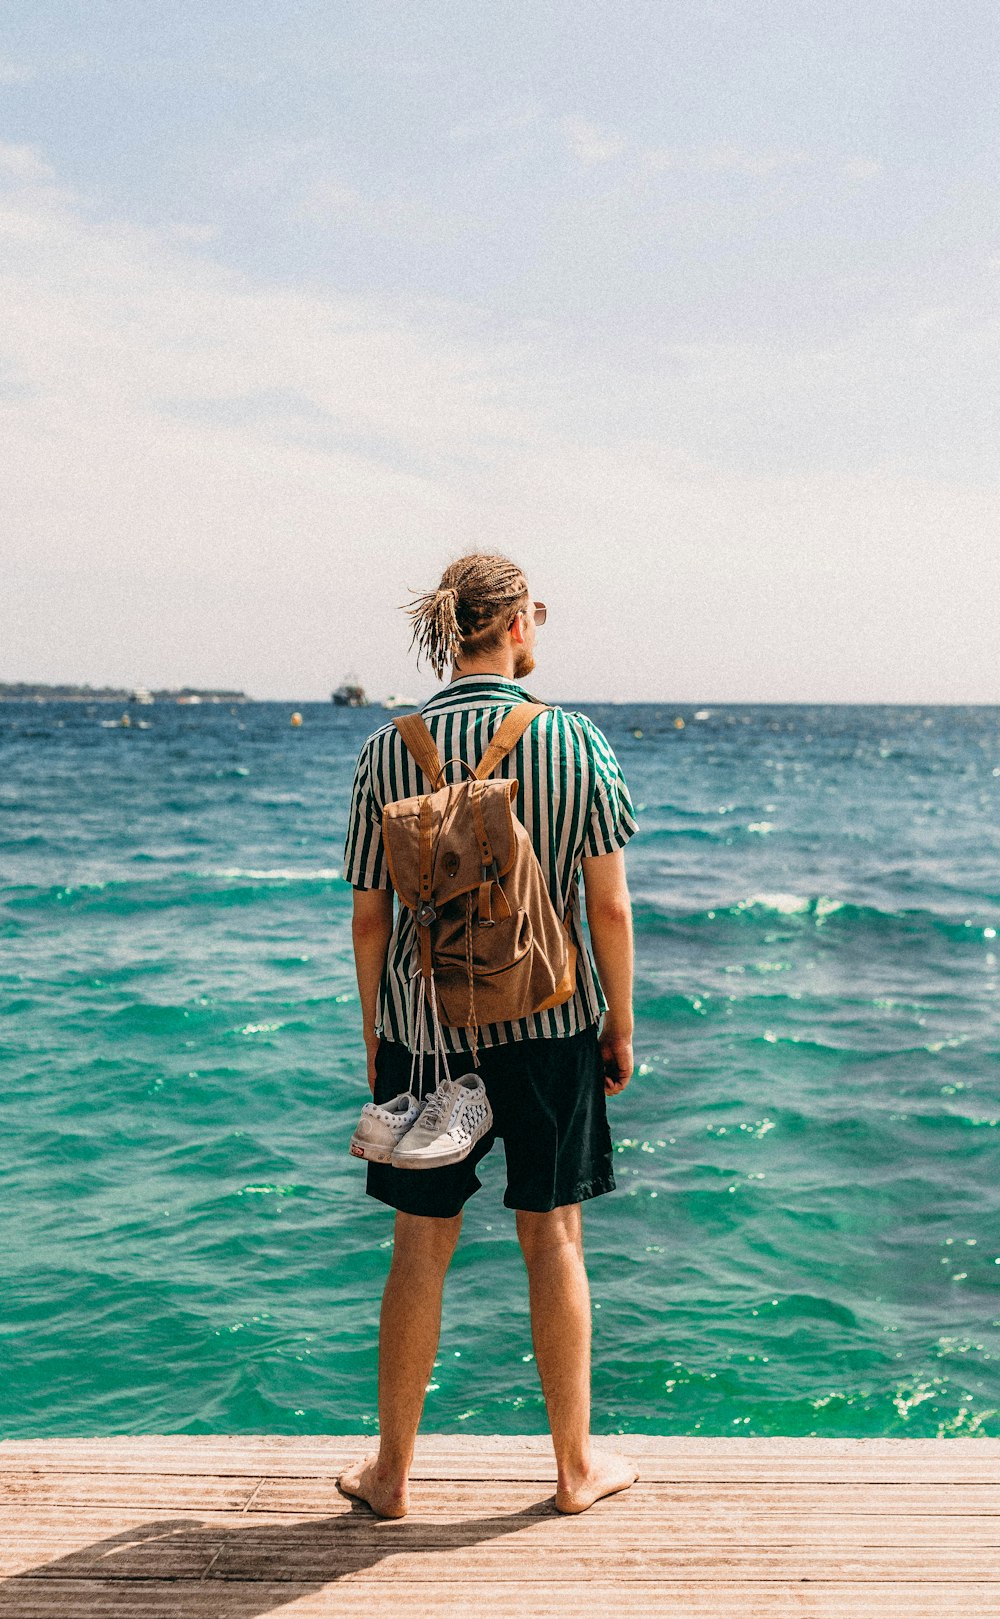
(523, 663)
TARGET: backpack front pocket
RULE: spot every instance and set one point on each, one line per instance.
(501, 959)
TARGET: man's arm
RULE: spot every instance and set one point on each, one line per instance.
(609, 917)
(371, 929)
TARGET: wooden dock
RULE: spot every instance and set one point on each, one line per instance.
(179, 1527)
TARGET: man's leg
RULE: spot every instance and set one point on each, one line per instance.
(409, 1330)
(559, 1294)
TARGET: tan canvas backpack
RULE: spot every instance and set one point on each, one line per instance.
(492, 946)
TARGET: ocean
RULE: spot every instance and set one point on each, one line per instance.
(805, 1238)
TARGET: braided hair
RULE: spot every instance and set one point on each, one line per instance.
(468, 611)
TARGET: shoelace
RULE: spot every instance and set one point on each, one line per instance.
(419, 1044)
(438, 1104)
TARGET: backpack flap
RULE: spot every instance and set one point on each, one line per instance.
(466, 819)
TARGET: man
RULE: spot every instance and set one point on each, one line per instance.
(547, 1075)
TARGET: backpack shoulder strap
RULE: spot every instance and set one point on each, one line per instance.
(420, 744)
(507, 735)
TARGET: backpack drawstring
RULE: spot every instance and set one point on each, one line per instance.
(473, 1023)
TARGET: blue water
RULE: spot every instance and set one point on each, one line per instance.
(806, 1235)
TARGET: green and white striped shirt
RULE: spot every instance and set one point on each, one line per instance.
(572, 799)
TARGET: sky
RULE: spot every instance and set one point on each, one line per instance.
(689, 307)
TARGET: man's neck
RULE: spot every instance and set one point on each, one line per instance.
(459, 672)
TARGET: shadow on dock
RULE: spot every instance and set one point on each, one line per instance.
(173, 1567)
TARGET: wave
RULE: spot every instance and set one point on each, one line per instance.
(704, 812)
(724, 832)
(799, 913)
(695, 833)
(122, 895)
(324, 874)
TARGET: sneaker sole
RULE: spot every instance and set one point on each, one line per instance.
(399, 1160)
(374, 1155)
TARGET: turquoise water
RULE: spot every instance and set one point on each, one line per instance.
(806, 1235)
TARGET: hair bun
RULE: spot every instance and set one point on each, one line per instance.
(485, 584)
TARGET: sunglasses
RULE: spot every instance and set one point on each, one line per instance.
(541, 612)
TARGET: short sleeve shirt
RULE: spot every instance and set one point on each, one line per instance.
(572, 798)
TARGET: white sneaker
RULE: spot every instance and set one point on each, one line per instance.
(383, 1125)
(454, 1118)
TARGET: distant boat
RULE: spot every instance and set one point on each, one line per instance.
(142, 694)
(191, 698)
(351, 694)
(401, 702)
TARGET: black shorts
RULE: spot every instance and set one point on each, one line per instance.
(549, 1109)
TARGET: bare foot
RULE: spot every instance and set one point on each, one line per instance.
(386, 1497)
(607, 1475)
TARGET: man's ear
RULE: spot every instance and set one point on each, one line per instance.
(517, 629)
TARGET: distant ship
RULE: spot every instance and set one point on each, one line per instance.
(350, 694)
(401, 702)
(142, 694)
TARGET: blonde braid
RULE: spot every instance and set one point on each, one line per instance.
(464, 613)
(435, 627)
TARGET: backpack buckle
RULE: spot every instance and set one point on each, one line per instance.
(490, 876)
(425, 913)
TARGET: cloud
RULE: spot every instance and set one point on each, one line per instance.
(590, 144)
(861, 169)
(23, 163)
(496, 125)
(13, 73)
(213, 478)
(125, 315)
(593, 145)
(725, 160)
(252, 448)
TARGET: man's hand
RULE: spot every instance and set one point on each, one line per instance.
(616, 1049)
(609, 917)
(371, 930)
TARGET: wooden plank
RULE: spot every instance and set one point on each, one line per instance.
(444, 1457)
(162, 1549)
(623, 1533)
(40, 1555)
(354, 1599)
(217, 1455)
(898, 1469)
(491, 1560)
(457, 1497)
(462, 1497)
(500, 1444)
(492, 1451)
(491, 1550)
(142, 1491)
(630, 1534)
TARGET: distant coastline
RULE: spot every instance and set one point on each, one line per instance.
(35, 691)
